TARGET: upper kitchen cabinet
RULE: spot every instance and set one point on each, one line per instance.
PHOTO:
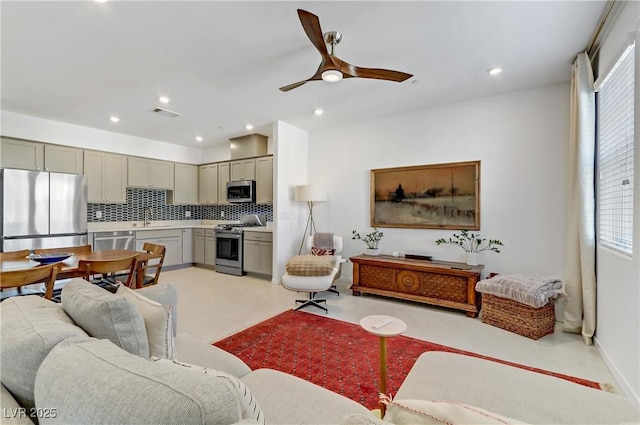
(244, 169)
(264, 180)
(24, 154)
(185, 191)
(63, 159)
(150, 173)
(223, 178)
(106, 177)
(208, 184)
(17, 153)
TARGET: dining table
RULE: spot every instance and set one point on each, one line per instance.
(70, 265)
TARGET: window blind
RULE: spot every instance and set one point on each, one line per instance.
(615, 154)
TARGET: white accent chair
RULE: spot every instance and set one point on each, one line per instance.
(315, 284)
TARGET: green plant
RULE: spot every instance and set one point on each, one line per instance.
(471, 242)
(372, 239)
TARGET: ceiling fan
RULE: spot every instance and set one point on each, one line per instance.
(332, 69)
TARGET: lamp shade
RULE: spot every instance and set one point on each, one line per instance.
(311, 192)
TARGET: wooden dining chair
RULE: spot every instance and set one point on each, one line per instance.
(152, 279)
(19, 278)
(14, 255)
(106, 267)
(81, 249)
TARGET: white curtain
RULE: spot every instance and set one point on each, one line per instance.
(580, 278)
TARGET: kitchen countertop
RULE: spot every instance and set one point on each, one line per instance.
(117, 226)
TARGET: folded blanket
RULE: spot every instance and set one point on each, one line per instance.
(310, 265)
(534, 291)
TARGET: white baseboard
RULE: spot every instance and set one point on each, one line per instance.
(621, 381)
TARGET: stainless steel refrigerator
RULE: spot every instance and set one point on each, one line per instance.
(42, 210)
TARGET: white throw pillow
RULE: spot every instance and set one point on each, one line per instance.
(411, 412)
(157, 322)
(251, 412)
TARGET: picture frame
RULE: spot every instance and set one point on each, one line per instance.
(435, 196)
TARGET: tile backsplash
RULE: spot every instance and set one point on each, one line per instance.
(139, 199)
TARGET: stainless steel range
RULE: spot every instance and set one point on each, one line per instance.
(229, 244)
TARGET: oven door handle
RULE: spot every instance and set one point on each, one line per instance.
(229, 235)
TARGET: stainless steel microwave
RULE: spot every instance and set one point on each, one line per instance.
(241, 191)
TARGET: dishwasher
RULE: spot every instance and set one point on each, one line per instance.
(113, 240)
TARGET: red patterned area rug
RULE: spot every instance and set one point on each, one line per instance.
(339, 356)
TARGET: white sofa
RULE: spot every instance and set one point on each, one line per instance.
(53, 371)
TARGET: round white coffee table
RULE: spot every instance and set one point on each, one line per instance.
(383, 327)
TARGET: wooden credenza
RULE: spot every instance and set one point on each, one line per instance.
(439, 283)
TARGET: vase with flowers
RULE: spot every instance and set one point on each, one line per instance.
(371, 239)
(472, 244)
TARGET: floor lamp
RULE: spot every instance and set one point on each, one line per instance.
(309, 194)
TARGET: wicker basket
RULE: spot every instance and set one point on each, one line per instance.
(516, 317)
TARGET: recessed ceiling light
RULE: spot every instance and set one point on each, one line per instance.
(332, 75)
(164, 99)
(114, 119)
(198, 138)
(101, 1)
(318, 111)
(494, 71)
(249, 127)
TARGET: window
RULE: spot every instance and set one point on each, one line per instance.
(615, 154)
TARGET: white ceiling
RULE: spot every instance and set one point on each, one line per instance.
(221, 63)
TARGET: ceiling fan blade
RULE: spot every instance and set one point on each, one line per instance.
(293, 86)
(375, 73)
(311, 25)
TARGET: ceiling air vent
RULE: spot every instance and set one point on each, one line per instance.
(166, 113)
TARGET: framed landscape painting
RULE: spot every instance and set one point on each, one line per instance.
(437, 196)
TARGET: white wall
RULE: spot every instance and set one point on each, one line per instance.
(618, 297)
(290, 146)
(521, 140)
(56, 132)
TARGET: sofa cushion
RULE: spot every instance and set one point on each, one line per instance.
(103, 315)
(31, 327)
(195, 351)
(157, 322)
(12, 412)
(522, 394)
(286, 399)
(164, 293)
(413, 412)
(249, 404)
(120, 388)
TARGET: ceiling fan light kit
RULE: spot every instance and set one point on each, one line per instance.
(332, 75)
(333, 69)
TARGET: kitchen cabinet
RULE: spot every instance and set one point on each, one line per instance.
(23, 154)
(185, 191)
(150, 173)
(198, 246)
(210, 247)
(244, 169)
(63, 159)
(106, 177)
(208, 184)
(264, 180)
(258, 252)
(187, 246)
(170, 238)
(223, 178)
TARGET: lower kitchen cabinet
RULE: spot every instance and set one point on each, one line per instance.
(258, 252)
(210, 247)
(187, 246)
(170, 238)
(198, 246)
(204, 247)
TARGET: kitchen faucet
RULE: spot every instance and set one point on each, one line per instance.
(147, 221)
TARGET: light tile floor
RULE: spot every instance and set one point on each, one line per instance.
(213, 305)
